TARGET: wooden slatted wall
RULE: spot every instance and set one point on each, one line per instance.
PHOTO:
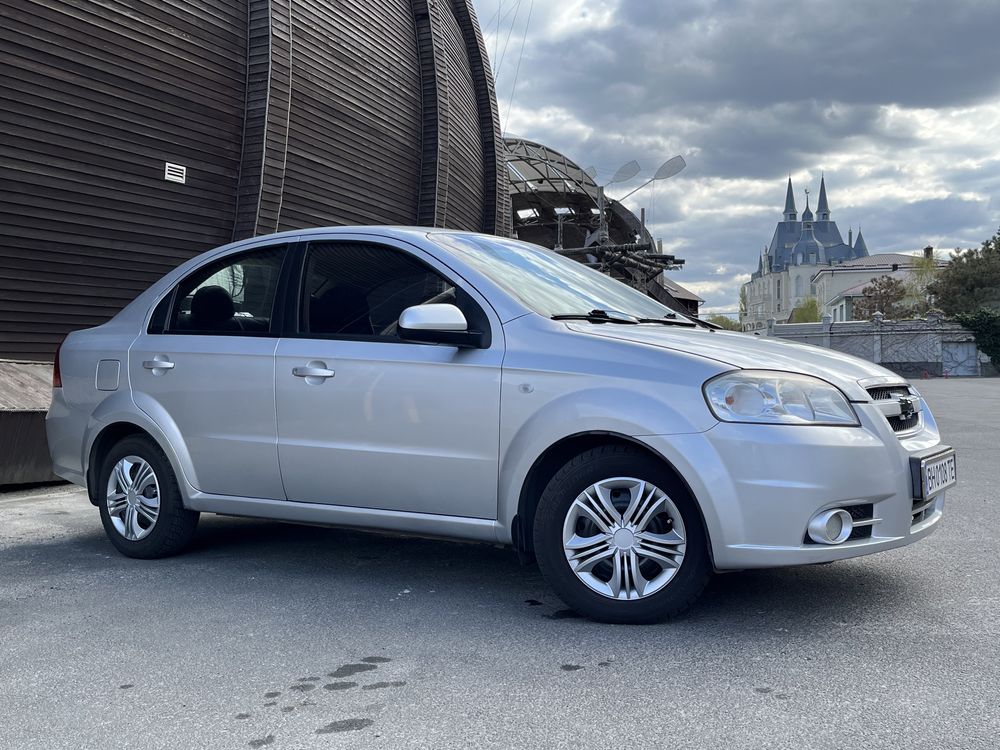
(496, 193)
(433, 188)
(265, 129)
(353, 151)
(286, 113)
(95, 96)
(465, 162)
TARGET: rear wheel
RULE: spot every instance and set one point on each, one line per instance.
(140, 503)
(619, 538)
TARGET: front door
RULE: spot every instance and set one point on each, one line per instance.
(367, 420)
(204, 372)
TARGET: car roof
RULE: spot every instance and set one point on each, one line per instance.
(372, 229)
(506, 306)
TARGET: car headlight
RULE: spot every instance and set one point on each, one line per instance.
(777, 398)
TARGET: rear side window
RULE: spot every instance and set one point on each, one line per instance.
(359, 289)
(232, 297)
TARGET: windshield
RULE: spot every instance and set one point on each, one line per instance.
(547, 282)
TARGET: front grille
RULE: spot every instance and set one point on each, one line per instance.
(863, 517)
(888, 392)
(899, 424)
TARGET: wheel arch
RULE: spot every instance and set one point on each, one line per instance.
(108, 436)
(555, 456)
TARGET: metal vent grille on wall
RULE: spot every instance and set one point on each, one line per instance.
(174, 173)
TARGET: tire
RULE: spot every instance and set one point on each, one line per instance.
(126, 515)
(648, 588)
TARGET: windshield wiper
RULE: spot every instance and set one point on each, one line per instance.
(684, 322)
(599, 316)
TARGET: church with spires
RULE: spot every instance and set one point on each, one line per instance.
(798, 250)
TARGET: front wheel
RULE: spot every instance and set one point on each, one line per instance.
(140, 503)
(619, 538)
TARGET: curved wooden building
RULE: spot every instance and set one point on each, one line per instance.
(137, 133)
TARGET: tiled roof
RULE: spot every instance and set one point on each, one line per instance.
(880, 260)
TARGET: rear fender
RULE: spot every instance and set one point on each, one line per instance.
(151, 418)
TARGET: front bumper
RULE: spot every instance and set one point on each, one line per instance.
(759, 485)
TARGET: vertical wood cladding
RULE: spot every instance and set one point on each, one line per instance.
(496, 195)
(461, 185)
(265, 128)
(432, 192)
(95, 96)
(465, 150)
(286, 113)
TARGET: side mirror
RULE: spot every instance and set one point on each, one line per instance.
(438, 324)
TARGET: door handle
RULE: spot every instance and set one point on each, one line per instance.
(313, 370)
(158, 364)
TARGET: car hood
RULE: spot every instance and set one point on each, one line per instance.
(747, 351)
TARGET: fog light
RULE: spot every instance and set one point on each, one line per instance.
(831, 526)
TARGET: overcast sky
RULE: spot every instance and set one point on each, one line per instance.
(897, 102)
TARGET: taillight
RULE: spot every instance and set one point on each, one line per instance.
(56, 374)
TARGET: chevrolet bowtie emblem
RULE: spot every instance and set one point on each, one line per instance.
(906, 407)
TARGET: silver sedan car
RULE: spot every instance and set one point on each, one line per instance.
(461, 385)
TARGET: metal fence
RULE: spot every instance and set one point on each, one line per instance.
(925, 347)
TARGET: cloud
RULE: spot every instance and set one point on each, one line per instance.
(898, 102)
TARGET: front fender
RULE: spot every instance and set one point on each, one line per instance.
(608, 410)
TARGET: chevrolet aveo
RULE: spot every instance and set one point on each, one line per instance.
(460, 385)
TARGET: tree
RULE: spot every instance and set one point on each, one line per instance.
(971, 281)
(968, 289)
(985, 325)
(724, 322)
(919, 284)
(807, 312)
(885, 295)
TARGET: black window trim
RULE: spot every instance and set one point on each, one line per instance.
(154, 327)
(292, 307)
(278, 308)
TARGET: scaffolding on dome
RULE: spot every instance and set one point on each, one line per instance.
(556, 204)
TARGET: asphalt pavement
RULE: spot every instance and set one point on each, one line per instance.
(281, 636)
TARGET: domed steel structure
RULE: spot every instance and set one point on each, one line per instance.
(556, 204)
(138, 135)
(547, 190)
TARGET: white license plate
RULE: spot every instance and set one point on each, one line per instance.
(938, 473)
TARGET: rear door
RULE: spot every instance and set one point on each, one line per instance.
(368, 420)
(204, 372)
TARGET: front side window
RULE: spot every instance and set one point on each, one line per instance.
(231, 297)
(359, 290)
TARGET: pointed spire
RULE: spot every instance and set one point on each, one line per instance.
(823, 209)
(860, 248)
(790, 211)
(807, 215)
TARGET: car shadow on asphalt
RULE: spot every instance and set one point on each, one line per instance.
(812, 597)
(853, 586)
